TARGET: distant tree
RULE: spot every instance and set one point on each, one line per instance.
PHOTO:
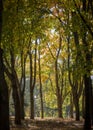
(40, 82)
(33, 67)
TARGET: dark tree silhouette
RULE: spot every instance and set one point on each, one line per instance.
(4, 102)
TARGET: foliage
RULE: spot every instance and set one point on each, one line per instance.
(26, 21)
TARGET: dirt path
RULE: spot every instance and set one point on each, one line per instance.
(49, 124)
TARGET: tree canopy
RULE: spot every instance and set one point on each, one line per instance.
(49, 43)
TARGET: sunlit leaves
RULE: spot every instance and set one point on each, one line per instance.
(26, 21)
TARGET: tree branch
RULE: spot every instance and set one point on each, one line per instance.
(84, 21)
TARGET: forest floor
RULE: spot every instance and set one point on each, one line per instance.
(48, 124)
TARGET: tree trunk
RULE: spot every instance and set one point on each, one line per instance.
(32, 79)
(87, 123)
(16, 90)
(59, 101)
(71, 106)
(4, 97)
(91, 100)
(83, 104)
(31, 89)
(74, 83)
(87, 80)
(41, 97)
(77, 108)
(76, 96)
(41, 94)
(32, 104)
(58, 93)
(22, 107)
(23, 83)
(16, 104)
(92, 110)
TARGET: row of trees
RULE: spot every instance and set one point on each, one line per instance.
(47, 41)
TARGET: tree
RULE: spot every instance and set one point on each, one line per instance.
(23, 81)
(87, 49)
(74, 65)
(40, 81)
(4, 99)
(16, 90)
(32, 77)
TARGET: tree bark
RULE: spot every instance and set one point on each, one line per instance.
(41, 94)
(58, 93)
(32, 104)
(23, 83)
(4, 97)
(16, 90)
(87, 84)
(76, 103)
(87, 74)
(83, 104)
(31, 89)
(71, 105)
(32, 79)
(16, 104)
(87, 123)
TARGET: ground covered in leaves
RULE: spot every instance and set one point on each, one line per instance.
(48, 124)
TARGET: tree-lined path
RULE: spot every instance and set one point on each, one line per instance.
(46, 62)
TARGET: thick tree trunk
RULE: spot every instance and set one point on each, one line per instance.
(91, 99)
(77, 109)
(22, 107)
(16, 90)
(87, 123)
(16, 105)
(76, 101)
(87, 82)
(58, 93)
(4, 98)
(17, 101)
(92, 110)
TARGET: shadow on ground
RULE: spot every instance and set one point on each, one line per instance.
(48, 124)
